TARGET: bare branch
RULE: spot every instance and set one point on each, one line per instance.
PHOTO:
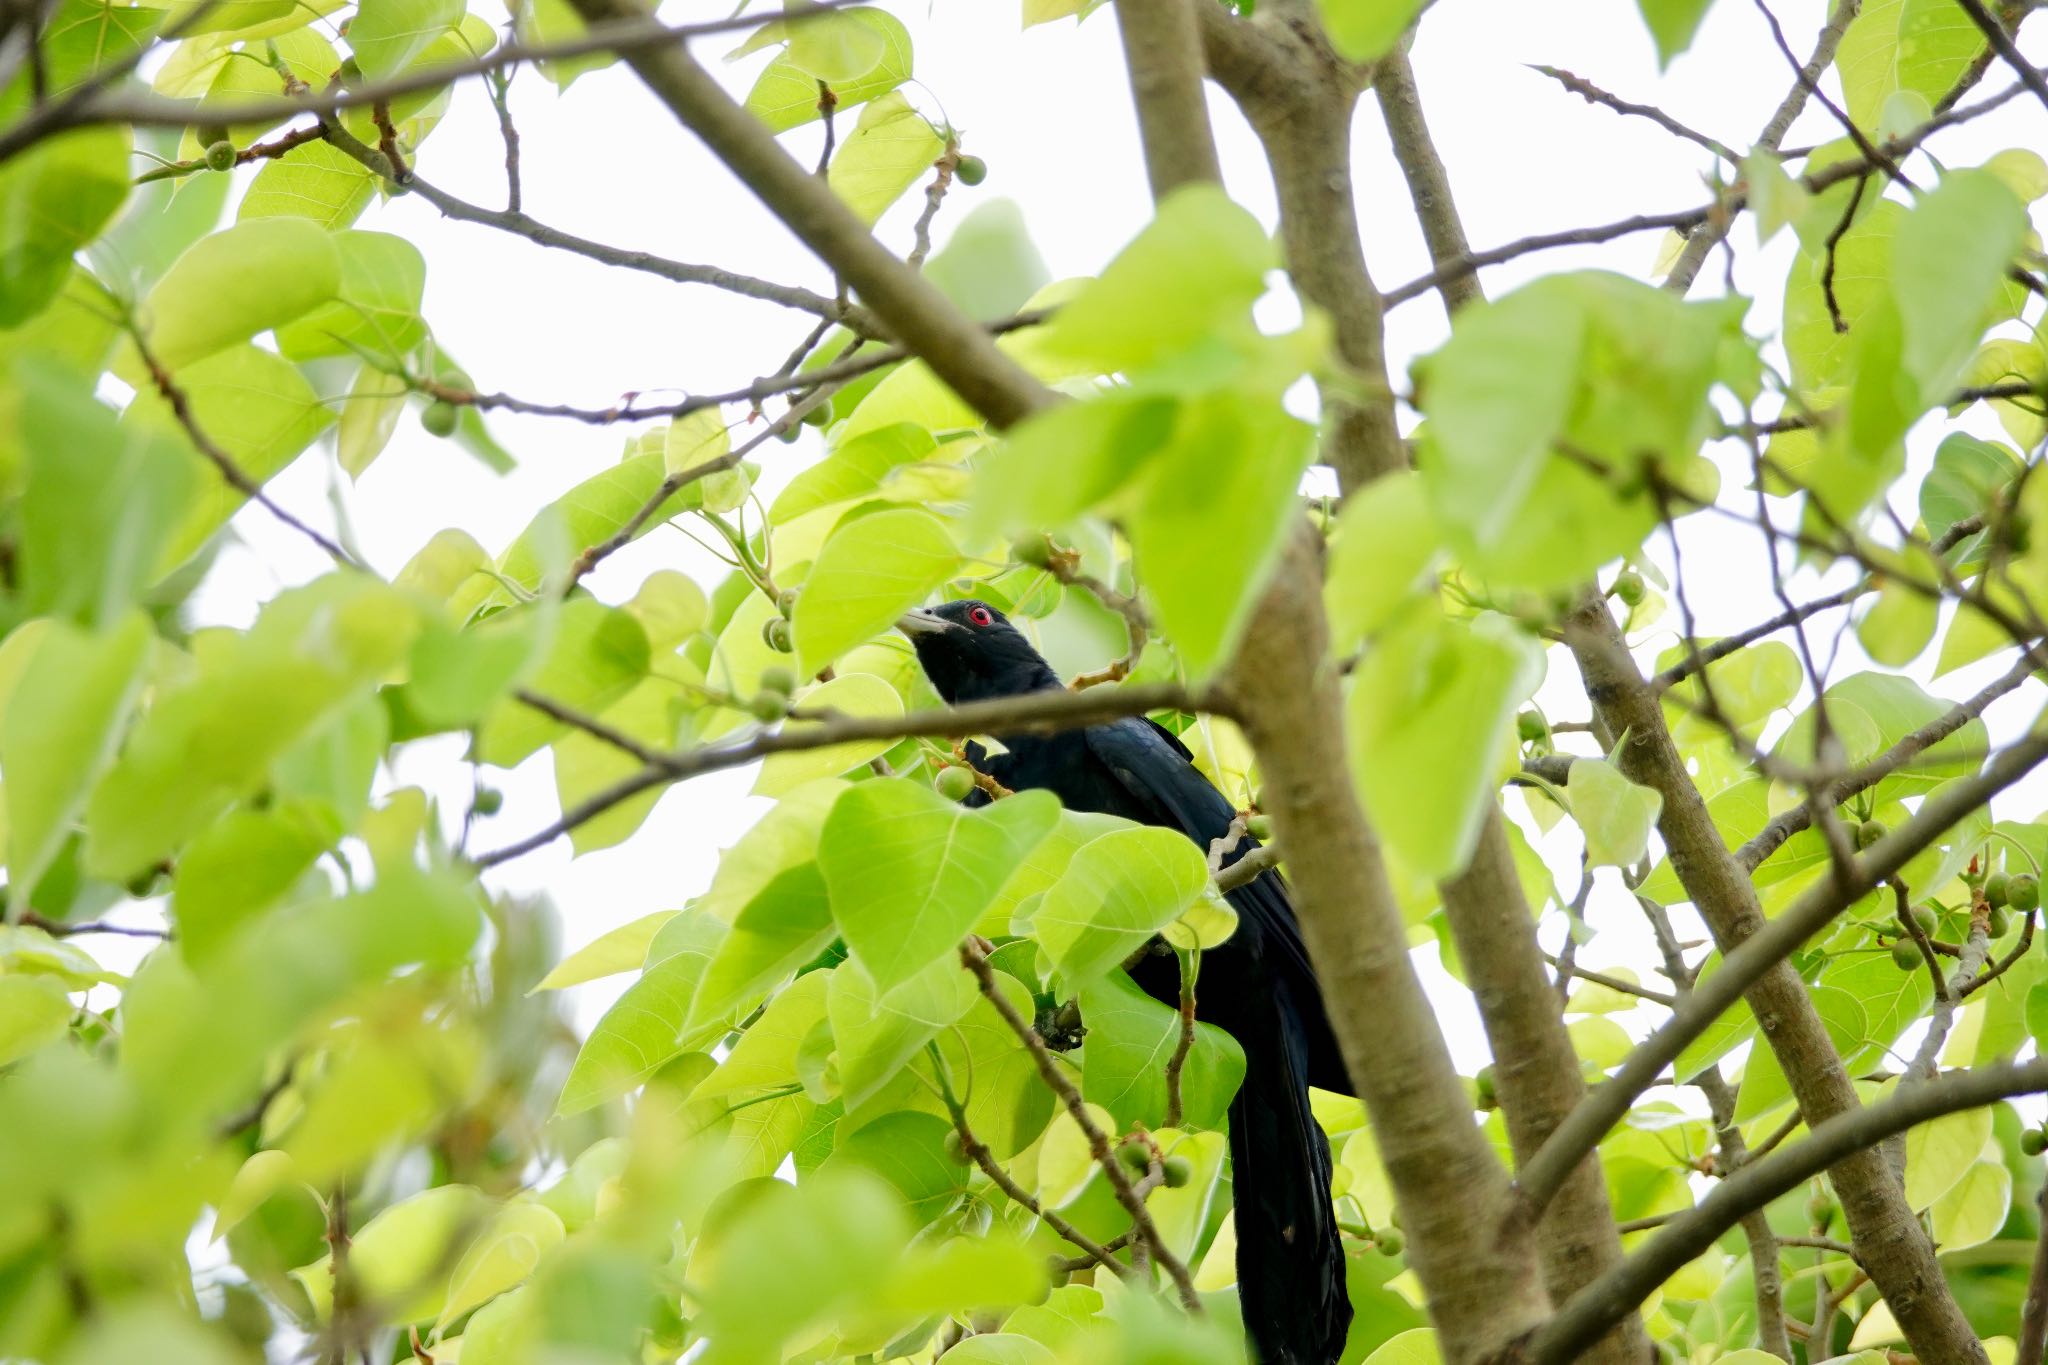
(1593, 94)
(1039, 712)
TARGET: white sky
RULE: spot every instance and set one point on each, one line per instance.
(1050, 111)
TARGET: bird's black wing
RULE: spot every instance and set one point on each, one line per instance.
(1173, 792)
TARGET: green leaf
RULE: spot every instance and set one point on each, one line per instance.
(1747, 686)
(1198, 267)
(642, 1031)
(1381, 549)
(617, 950)
(788, 923)
(55, 197)
(853, 470)
(1615, 814)
(1673, 23)
(1118, 890)
(237, 282)
(508, 1250)
(58, 733)
(876, 1033)
(1974, 1208)
(1367, 30)
(33, 1011)
(1131, 1037)
(312, 652)
(849, 694)
(1949, 259)
(909, 1151)
(765, 1057)
(588, 514)
(1919, 46)
(377, 309)
(872, 570)
(387, 34)
(785, 95)
(1820, 355)
(1008, 1105)
(1965, 480)
(1209, 514)
(1432, 711)
(100, 502)
(989, 266)
(1940, 1152)
(586, 765)
(784, 838)
(238, 867)
(910, 872)
(888, 150)
(1615, 368)
(1869, 713)
(254, 405)
(597, 655)
(318, 182)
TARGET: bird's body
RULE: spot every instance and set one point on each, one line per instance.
(1258, 985)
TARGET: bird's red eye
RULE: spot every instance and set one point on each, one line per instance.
(981, 616)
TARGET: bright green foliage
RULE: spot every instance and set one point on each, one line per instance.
(909, 872)
(1365, 30)
(1673, 23)
(751, 1122)
(1912, 48)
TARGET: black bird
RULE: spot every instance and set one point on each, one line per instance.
(1258, 985)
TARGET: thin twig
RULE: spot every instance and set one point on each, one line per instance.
(1098, 1141)
(181, 409)
(1034, 713)
(1593, 94)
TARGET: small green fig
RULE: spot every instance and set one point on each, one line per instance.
(1999, 923)
(1869, 832)
(220, 156)
(956, 1149)
(1629, 587)
(1136, 1156)
(972, 170)
(1927, 917)
(785, 601)
(488, 801)
(1389, 1241)
(1259, 826)
(440, 418)
(1178, 1171)
(767, 706)
(776, 633)
(955, 782)
(1997, 890)
(778, 680)
(2024, 892)
(1531, 726)
(1906, 954)
(2033, 1141)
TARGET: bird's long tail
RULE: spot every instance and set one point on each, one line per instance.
(1290, 1262)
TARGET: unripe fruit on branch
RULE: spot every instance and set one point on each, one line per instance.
(971, 170)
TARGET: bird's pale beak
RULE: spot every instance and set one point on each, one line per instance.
(918, 621)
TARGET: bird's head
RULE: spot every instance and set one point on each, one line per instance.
(971, 652)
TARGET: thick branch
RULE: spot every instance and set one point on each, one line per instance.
(1829, 1145)
(1536, 1072)
(1476, 1261)
(1163, 52)
(1429, 184)
(1890, 1241)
